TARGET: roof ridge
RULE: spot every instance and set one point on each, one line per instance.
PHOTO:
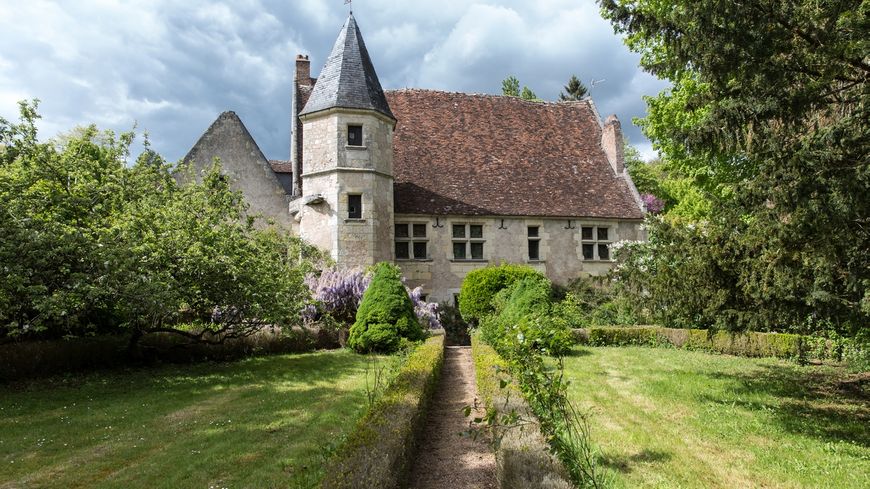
(586, 100)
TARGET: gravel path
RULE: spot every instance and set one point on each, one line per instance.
(445, 459)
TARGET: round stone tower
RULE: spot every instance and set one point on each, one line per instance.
(346, 205)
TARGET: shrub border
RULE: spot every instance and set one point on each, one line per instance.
(32, 359)
(523, 459)
(745, 344)
(380, 449)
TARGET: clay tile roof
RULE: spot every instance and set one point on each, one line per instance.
(348, 79)
(280, 166)
(465, 154)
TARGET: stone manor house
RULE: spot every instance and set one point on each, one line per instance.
(439, 183)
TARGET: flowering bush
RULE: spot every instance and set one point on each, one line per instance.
(653, 204)
(426, 311)
(337, 293)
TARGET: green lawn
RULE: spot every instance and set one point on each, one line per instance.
(260, 422)
(675, 418)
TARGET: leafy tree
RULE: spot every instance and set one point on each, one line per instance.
(575, 90)
(386, 315)
(768, 121)
(90, 244)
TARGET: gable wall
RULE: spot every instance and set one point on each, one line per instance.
(246, 167)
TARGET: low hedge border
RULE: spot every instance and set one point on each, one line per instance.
(748, 344)
(523, 460)
(380, 449)
(28, 359)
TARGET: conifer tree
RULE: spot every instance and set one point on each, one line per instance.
(575, 88)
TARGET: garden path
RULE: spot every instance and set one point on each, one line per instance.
(445, 459)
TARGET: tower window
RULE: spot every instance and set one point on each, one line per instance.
(354, 135)
(354, 206)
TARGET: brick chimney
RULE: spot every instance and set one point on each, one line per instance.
(612, 143)
(302, 84)
(303, 70)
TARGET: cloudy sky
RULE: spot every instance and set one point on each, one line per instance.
(172, 67)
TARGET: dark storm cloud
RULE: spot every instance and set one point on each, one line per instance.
(172, 67)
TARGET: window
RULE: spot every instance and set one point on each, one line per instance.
(468, 241)
(534, 243)
(595, 242)
(354, 135)
(411, 242)
(354, 206)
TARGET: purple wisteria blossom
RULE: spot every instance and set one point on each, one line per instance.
(337, 292)
(426, 311)
(653, 204)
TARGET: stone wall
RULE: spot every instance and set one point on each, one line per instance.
(506, 241)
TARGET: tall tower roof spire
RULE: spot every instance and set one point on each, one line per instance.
(348, 79)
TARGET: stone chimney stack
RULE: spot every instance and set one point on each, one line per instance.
(301, 89)
(612, 143)
(303, 70)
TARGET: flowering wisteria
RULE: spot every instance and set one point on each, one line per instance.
(653, 204)
(338, 292)
(426, 311)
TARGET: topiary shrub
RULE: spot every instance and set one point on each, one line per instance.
(480, 287)
(523, 312)
(386, 314)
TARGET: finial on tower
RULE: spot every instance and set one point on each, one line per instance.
(349, 2)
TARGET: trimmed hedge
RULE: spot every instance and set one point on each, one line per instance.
(27, 359)
(523, 459)
(380, 449)
(480, 286)
(749, 344)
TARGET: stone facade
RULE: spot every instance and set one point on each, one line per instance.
(428, 161)
(506, 240)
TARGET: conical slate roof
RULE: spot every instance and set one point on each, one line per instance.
(348, 80)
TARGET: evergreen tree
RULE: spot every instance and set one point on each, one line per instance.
(575, 88)
(528, 94)
(510, 86)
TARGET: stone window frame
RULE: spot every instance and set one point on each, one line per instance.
(411, 239)
(596, 241)
(536, 238)
(361, 217)
(362, 139)
(468, 241)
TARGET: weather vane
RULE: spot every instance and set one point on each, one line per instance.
(349, 2)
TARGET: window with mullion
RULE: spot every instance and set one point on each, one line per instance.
(468, 241)
(411, 241)
(596, 242)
